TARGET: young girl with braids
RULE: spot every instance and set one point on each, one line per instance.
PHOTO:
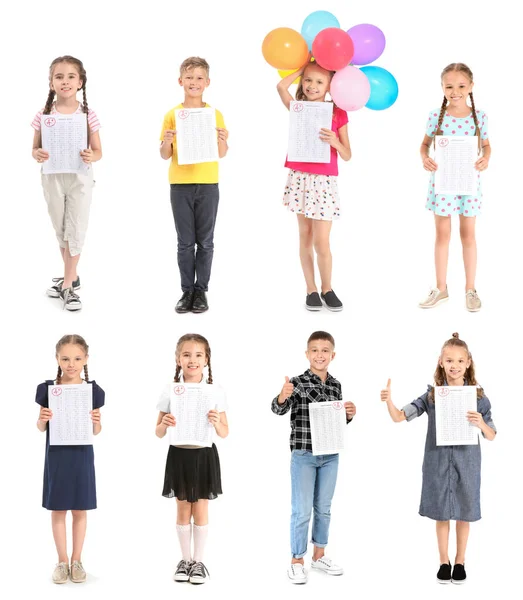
(69, 478)
(455, 118)
(68, 195)
(451, 474)
(311, 191)
(192, 473)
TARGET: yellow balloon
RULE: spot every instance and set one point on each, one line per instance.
(282, 73)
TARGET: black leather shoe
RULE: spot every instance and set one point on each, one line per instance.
(443, 575)
(184, 304)
(199, 303)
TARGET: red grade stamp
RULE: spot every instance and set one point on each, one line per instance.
(56, 391)
(443, 392)
(183, 114)
(298, 107)
(50, 121)
(179, 389)
(443, 142)
(337, 405)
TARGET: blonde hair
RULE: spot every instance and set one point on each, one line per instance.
(300, 94)
(194, 62)
(458, 68)
(78, 340)
(78, 65)
(470, 373)
(199, 339)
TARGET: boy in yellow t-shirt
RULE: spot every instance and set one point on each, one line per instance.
(194, 192)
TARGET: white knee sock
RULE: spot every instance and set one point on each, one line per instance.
(200, 537)
(184, 536)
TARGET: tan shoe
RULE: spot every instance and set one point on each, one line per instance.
(472, 301)
(61, 573)
(434, 298)
(78, 574)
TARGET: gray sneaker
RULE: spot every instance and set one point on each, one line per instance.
(71, 299)
(472, 301)
(434, 298)
(182, 570)
(61, 573)
(78, 574)
(54, 290)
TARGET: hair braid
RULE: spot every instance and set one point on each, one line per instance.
(209, 378)
(59, 376)
(177, 374)
(86, 373)
(49, 103)
(475, 117)
(440, 119)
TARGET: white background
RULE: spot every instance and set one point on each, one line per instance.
(257, 326)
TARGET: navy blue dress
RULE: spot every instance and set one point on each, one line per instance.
(69, 480)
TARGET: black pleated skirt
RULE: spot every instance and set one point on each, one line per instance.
(192, 474)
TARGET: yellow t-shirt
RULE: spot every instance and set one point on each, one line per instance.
(200, 173)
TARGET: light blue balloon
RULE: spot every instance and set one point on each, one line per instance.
(383, 88)
(316, 22)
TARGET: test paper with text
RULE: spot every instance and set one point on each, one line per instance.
(456, 157)
(328, 423)
(71, 423)
(190, 405)
(64, 137)
(305, 121)
(452, 404)
(196, 135)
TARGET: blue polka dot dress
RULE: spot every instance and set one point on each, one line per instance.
(446, 205)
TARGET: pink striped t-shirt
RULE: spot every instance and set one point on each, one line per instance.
(339, 119)
(92, 119)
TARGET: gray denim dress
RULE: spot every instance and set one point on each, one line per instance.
(451, 474)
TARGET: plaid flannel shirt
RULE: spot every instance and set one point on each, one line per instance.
(307, 388)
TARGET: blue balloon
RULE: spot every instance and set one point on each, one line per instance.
(383, 88)
(316, 22)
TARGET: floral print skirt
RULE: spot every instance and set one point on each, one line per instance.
(315, 196)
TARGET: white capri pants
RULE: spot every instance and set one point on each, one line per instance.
(68, 197)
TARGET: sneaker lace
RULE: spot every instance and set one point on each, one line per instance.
(473, 294)
(432, 294)
(62, 567)
(183, 564)
(71, 296)
(199, 569)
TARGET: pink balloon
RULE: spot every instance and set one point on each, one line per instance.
(350, 88)
(333, 48)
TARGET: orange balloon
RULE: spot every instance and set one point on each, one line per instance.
(283, 74)
(284, 48)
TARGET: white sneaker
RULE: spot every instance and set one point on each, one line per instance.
(327, 566)
(297, 573)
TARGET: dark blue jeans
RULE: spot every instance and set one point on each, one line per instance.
(195, 206)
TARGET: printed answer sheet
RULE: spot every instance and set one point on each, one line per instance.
(71, 424)
(456, 157)
(196, 135)
(64, 137)
(190, 403)
(305, 121)
(452, 404)
(328, 423)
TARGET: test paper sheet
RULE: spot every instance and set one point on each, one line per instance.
(71, 424)
(64, 137)
(196, 135)
(456, 157)
(452, 404)
(328, 423)
(190, 404)
(306, 120)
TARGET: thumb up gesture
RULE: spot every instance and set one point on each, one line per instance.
(385, 394)
(286, 391)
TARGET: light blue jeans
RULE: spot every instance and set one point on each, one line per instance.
(313, 480)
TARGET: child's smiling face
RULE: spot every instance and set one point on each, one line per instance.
(65, 80)
(194, 81)
(192, 360)
(315, 83)
(455, 361)
(456, 87)
(320, 354)
(71, 358)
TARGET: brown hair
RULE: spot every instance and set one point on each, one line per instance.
(194, 62)
(300, 94)
(71, 339)
(458, 68)
(470, 373)
(199, 339)
(81, 72)
(320, 335)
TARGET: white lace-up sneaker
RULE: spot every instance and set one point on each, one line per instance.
(434, 298)
(472, 300)
(61, 573)
(297, 573)
(327, 566)
(78, 574)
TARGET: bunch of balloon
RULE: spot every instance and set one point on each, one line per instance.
(336, 50)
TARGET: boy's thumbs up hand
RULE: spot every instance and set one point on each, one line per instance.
(286, 391)
(385, 394)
